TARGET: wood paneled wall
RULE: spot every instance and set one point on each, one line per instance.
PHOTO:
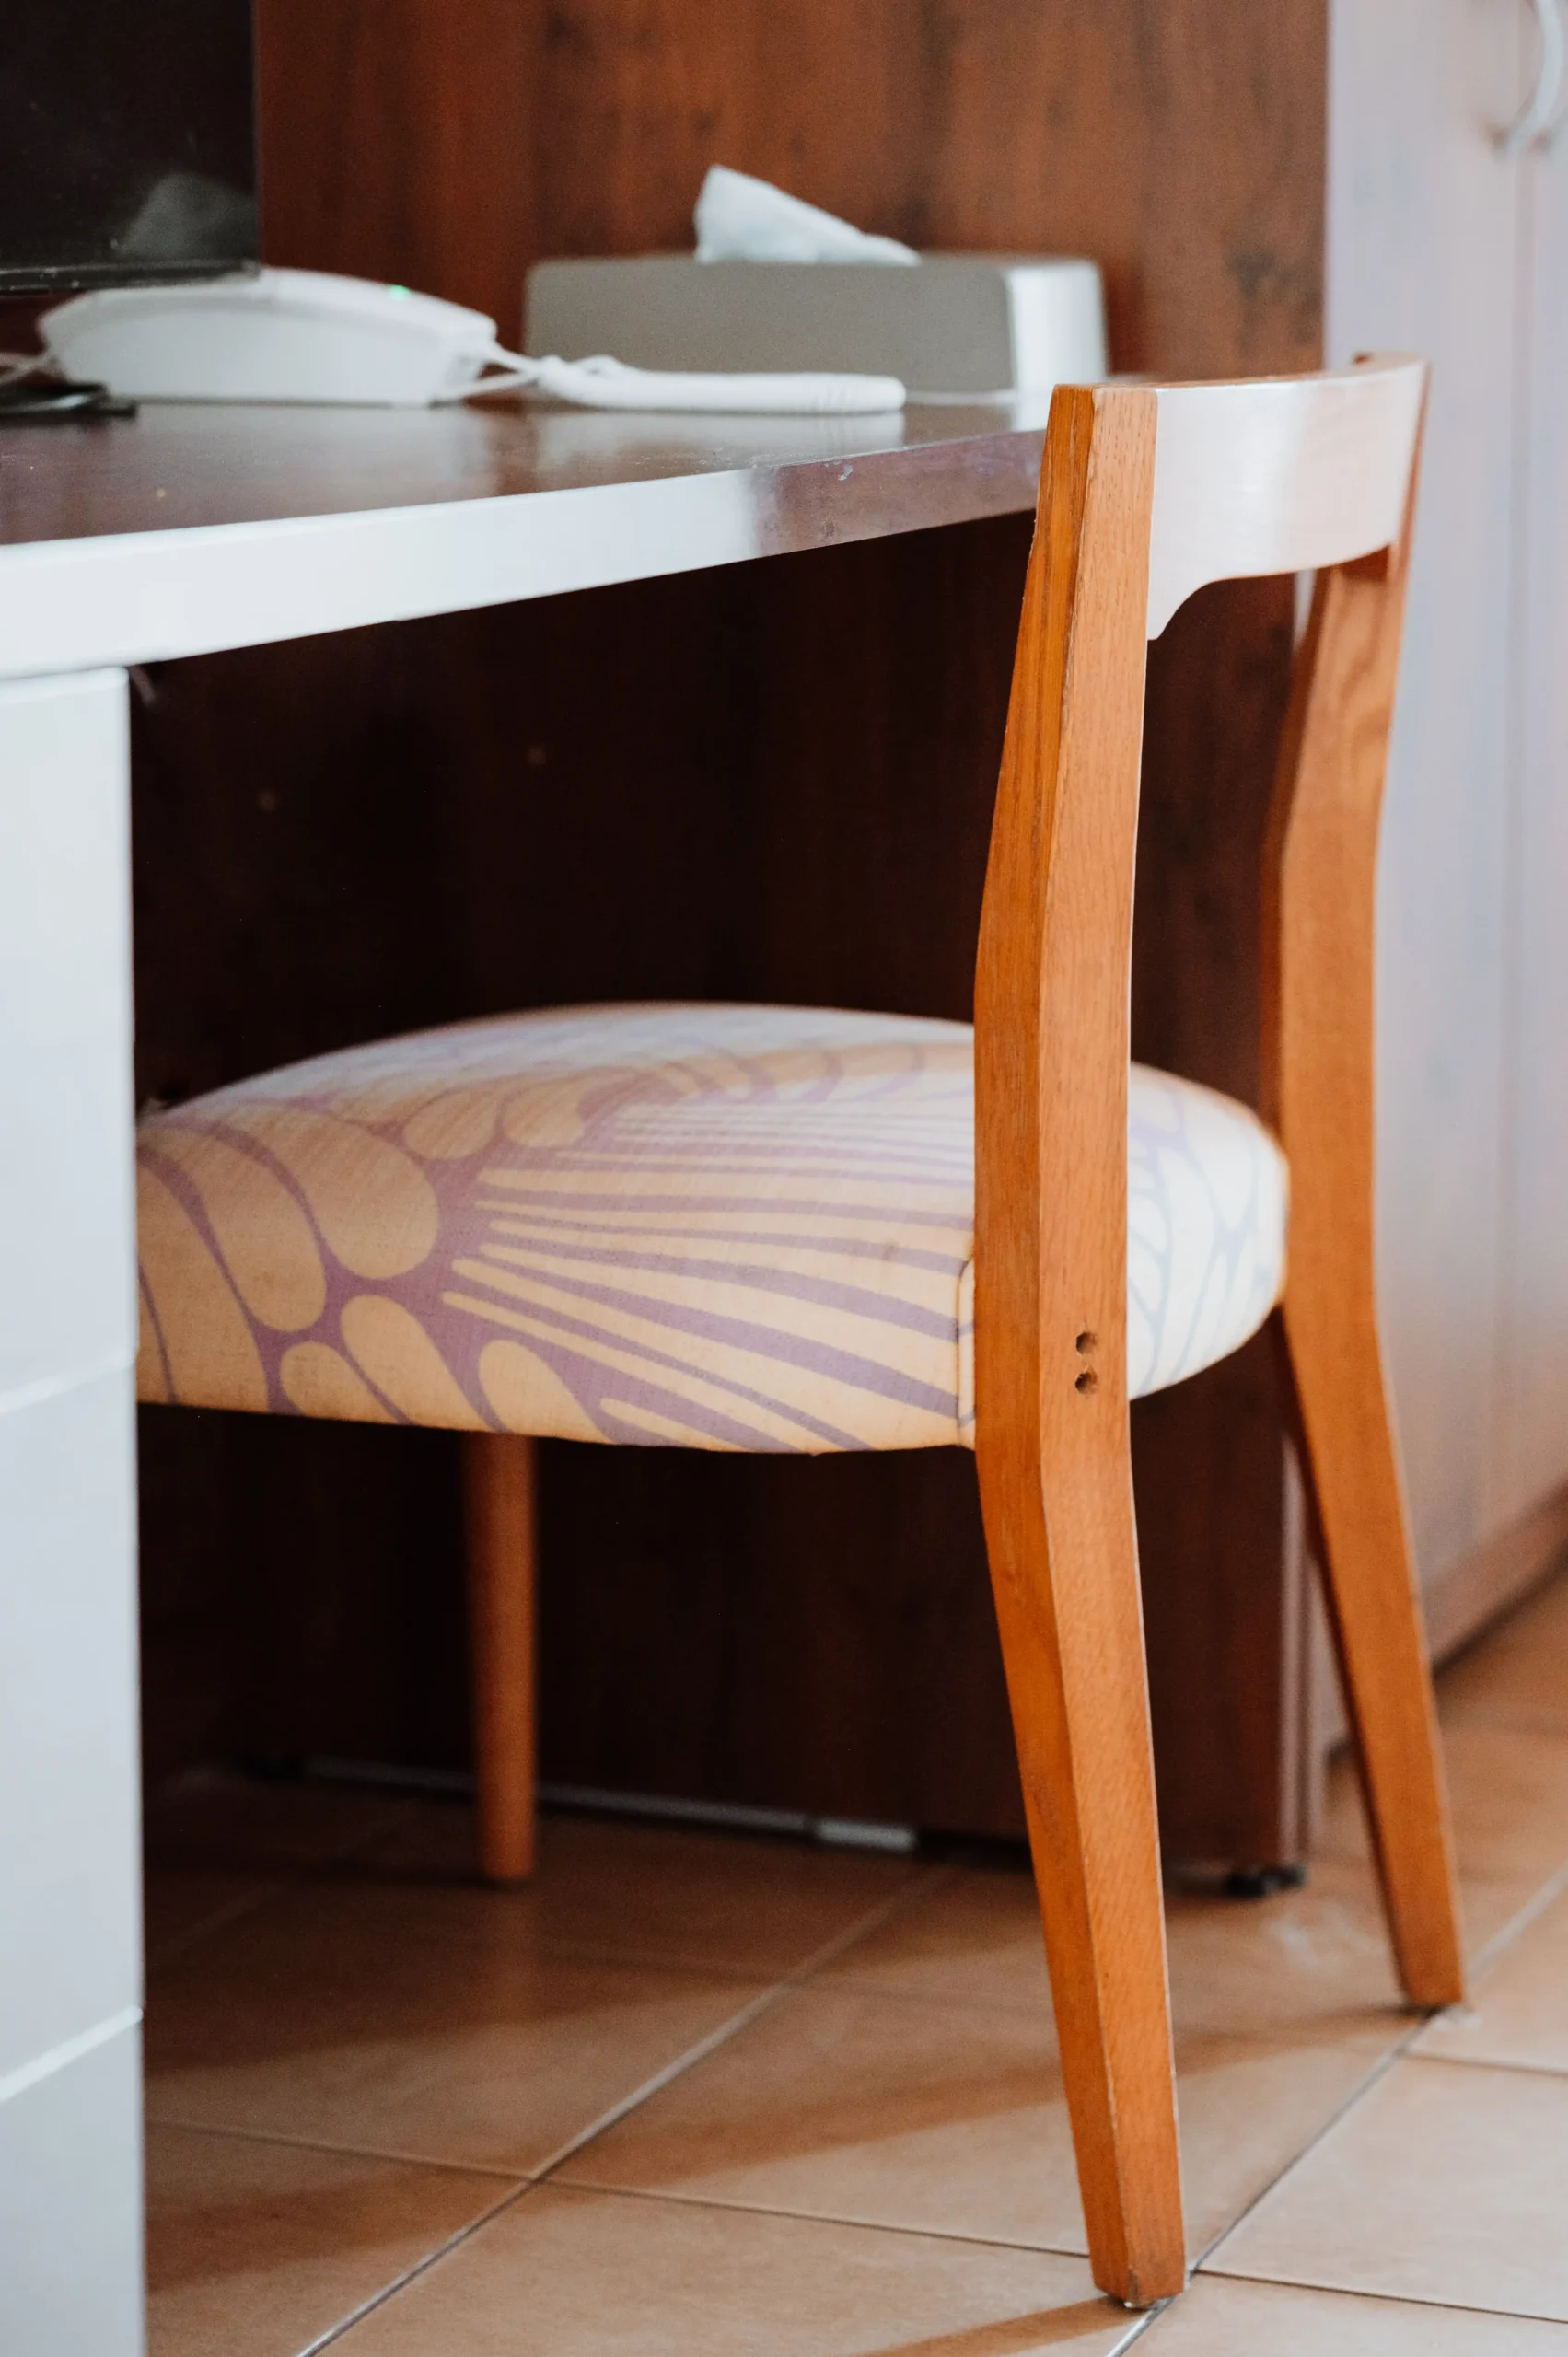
(771, 782)
(451, 143)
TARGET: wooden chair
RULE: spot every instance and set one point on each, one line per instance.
(750, 1228)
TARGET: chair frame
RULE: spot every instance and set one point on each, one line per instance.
(1133, 517)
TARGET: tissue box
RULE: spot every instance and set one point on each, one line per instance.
(981, 326)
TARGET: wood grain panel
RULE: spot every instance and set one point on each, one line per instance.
(398, 139)
(450, 142)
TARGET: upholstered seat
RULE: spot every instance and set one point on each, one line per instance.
(721, 1226)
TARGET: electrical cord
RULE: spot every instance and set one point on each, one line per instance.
(604, 383)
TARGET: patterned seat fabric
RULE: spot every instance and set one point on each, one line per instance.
(719, 1227)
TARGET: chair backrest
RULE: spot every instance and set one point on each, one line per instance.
(1286, 474)
(1147, 492)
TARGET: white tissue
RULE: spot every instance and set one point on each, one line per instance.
(742, 219)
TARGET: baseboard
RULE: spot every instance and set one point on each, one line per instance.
(1459, 1604)
(1483, 1584)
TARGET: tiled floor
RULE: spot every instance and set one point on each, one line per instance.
(696, 2097)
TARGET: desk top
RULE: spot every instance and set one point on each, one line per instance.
(193, 527)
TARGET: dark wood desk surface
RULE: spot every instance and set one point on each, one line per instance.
(182, 466)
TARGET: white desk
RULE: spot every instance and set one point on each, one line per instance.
(183, 531)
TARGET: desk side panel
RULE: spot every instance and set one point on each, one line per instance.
(70, 1930)
(71, 2217)
(67, 1258)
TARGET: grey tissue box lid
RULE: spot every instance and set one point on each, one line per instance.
(970, 324)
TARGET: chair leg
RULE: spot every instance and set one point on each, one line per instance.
(1064, 1568)
(498, 1484)
(1334, 1360)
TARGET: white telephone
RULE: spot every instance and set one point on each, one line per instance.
(274, 335)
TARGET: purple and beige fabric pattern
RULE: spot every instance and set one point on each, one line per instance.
(725, 1228)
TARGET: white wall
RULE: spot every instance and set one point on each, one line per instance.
(1530, 1437)
(1427, 250)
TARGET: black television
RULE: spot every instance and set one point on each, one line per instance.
(127, 142)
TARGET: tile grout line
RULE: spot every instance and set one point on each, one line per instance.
(1530, 1912)
(516, 2175)
(232, 1911)
(816, 2217)
(1508, 1721)
(1141, 2325)
(1379, 2072)
(1336, 2292)
(1487, 2062)
(860, 1929)
(766, 1999)
(389, 2291)
(1393, 2299)
(591, 1952)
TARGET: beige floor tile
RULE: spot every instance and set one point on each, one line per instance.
(255, 2249)
(184, 1903)
(659, 1894)
(971, 1937)
(1517, 1674)
(840, 2103)
(213, 1818)
(1520, 2011)
(1490, 1908)
(411, 2022)
(1311, 1964)
(1446, 2182)
(1314, 1963)
(1509, 1791)
(1216, 2319)
(565, 2274)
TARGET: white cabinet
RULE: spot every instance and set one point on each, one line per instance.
(70, 1922)
(1439, 240)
